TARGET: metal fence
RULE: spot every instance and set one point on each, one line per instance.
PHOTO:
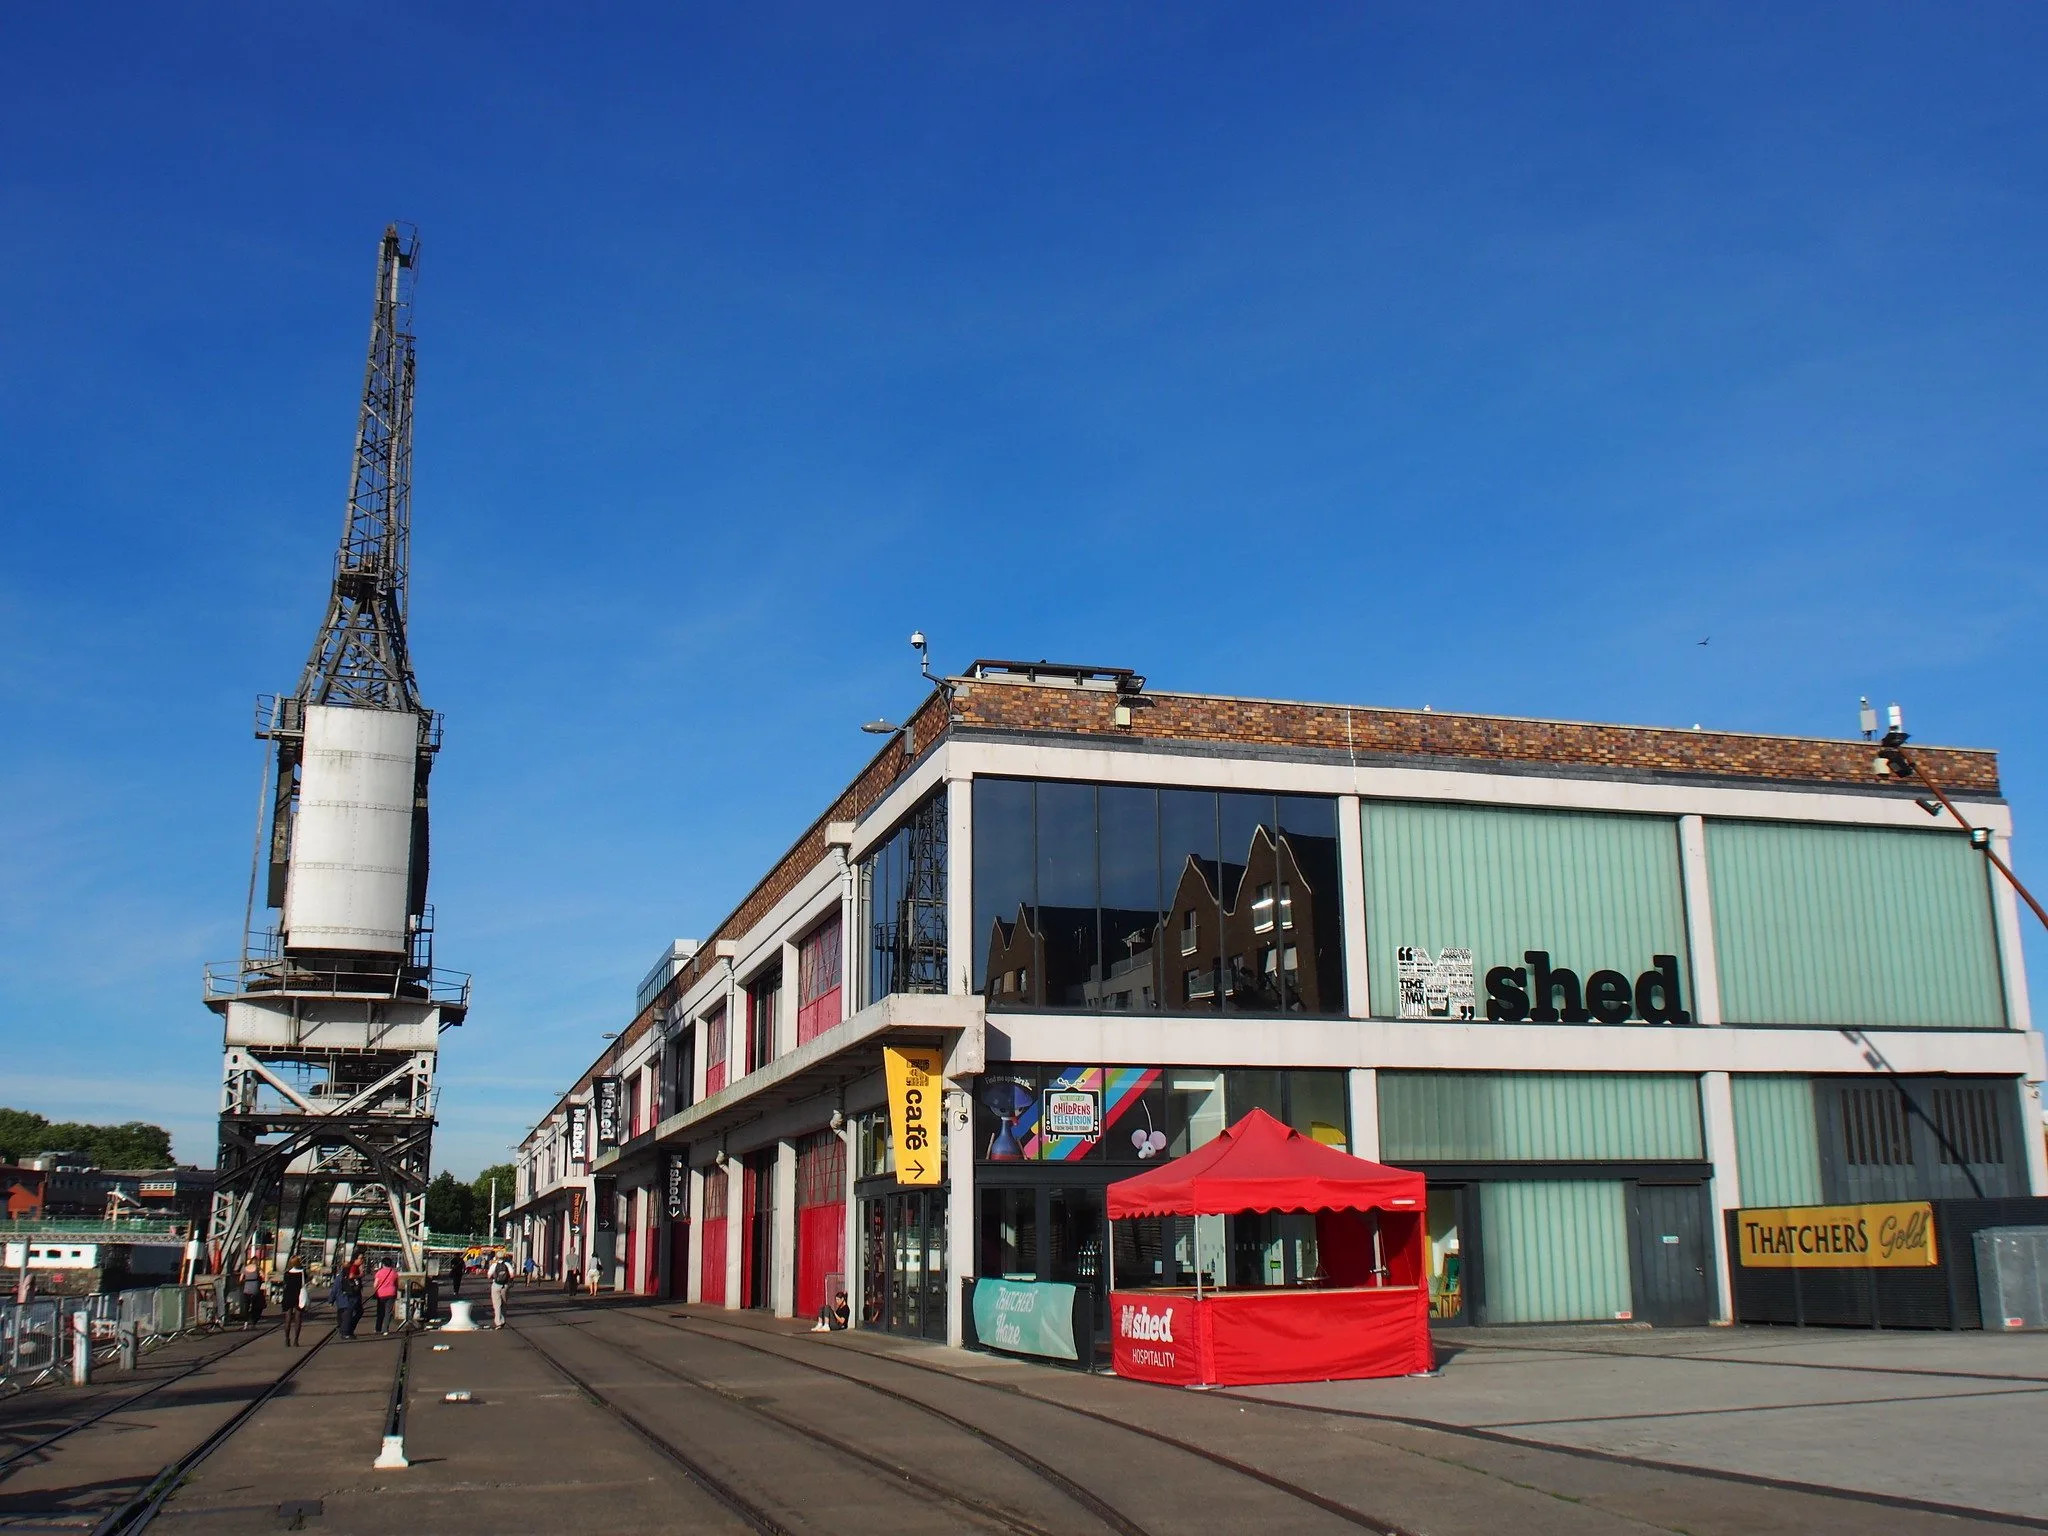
(35, 1336)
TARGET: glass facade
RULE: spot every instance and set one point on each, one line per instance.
(903, 900)
(1041, 1113)
(1120, 898)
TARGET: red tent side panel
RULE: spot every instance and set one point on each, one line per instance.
(1260, 1338)
(1261, 1165)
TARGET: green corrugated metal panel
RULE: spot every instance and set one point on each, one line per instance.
(1556, 1250)
(1853, 927)
(1540, 1117)
(1595, 891)
(1777, 1140)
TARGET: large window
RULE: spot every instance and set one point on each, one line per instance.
(714, 1050)
(817, 980)
(903, 897)
(763, 997)
(1032, 1113)
(1123, 898)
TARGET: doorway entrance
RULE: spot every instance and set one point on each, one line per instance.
(1672, 1255)
(903, 1263)
(757, 1271)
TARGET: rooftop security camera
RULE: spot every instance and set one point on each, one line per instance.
(917, 639)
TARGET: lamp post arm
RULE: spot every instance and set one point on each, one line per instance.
(1916, 771)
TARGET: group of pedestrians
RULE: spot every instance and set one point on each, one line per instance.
(349, 1292)
(347, 1296)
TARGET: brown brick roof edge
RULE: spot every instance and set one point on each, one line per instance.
(1377, 733)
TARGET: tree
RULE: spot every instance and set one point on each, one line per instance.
(135, 1144)
(451, 1206)
(480, 1186)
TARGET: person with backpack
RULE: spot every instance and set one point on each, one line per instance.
(501, 1286)
(347, 1297)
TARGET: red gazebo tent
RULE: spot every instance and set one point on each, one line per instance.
(1366, 1315)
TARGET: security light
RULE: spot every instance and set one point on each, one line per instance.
(880, 728)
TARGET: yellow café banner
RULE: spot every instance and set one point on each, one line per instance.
(915, 1099)
(1897, 1235)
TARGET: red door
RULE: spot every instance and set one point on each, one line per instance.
(820, 1221)
(711, 1287)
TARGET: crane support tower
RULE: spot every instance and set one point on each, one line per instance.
(334, 1013)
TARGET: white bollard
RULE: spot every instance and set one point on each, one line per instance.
(81, 1349)
(459, 1318)
(392, 1456)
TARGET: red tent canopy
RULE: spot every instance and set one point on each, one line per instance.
(1261, 1165)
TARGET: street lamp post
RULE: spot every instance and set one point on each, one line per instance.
(1892, 759)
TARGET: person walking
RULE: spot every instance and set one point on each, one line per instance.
(385, 1285)
(530, 1268)
(252, 1292)
(501, 1287)
(293, 1300)
(347, 1297)
(455, 1272)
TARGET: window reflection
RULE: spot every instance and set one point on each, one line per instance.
(903, 894)
(1122, 898)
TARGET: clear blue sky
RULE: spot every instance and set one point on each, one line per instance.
(1480, 356)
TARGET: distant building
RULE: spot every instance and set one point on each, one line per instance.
(22, 1189)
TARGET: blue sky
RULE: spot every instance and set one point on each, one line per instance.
(1481, 356)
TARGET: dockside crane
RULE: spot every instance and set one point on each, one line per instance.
(333, 1015)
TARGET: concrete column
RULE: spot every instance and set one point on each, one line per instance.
(2019, 1012)
(782, 1284)
(1351, 871)
(735, 1232)
(851, 981)
(693, 1255)
(1365, 1113)
(785, 1003)
(1724, 1190)
(2030, 1125)
(851, 1136)
(649, 1245)
(1699, 920)
(960, 885)
(959, 1210)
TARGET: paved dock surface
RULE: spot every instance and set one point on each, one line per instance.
(623, 1417)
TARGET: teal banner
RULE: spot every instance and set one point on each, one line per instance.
(1026, 1317)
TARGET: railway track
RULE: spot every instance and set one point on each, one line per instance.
(725, 1335)
(16, 1457)
(1110, 1517)
(756, 1514)
(136, 1513)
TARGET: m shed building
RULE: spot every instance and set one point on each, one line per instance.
(1599, 984)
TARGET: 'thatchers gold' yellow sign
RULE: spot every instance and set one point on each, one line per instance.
(1896, 1235)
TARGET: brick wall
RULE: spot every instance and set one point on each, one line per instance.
(1380, 734)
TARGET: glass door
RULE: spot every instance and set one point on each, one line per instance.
(1447, 1254)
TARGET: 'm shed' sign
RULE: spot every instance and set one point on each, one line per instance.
(1894, 1235)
